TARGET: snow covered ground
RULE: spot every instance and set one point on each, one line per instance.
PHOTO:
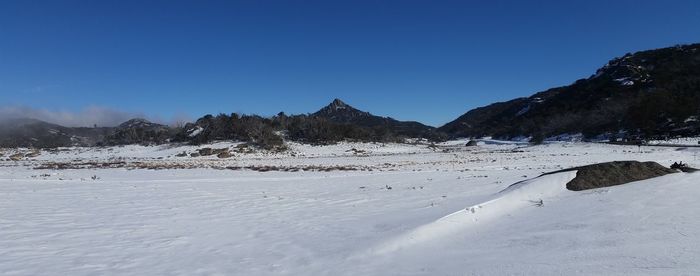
(685, 141)
(393, 209)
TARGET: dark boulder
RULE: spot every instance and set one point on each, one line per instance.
(224, 154)
(683, 167)
(210, 151)
(205, 151)
(614, 173)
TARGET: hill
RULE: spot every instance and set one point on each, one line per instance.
(340, 112)
(650, 94)
(139, 131)
(336, 122)
(25, 132)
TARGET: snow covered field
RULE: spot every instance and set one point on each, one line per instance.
(347, 209)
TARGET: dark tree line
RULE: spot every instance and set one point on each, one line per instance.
(269, 133)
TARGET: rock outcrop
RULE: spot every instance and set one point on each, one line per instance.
(614, 173)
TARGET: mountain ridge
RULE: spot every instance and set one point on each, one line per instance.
(643, 95)
(648, 94)
(341, 112)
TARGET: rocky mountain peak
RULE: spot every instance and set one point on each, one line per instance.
(338, 104)
(340, 110)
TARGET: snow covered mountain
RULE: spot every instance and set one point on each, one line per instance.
(653, 93)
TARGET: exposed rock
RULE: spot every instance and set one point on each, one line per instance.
(340, 111)
(614, 173)
(33, 154)
(205, 151)
(471, 143)
(16, 156)
(244, 148)
(357, 151)
(225, 154)
(195, 154)
(210, 151)
(182, 154)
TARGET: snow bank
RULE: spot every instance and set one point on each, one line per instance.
(530, 193)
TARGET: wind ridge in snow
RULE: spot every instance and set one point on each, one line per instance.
(529, 193)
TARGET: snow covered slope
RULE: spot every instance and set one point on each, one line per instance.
(414, 210)
(506, 203)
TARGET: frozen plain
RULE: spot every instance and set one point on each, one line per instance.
(394, 209)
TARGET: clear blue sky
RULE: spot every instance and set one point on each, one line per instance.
(429, 61)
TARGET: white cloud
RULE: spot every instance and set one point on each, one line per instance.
(88, 117)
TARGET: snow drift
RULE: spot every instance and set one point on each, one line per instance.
(526, 194)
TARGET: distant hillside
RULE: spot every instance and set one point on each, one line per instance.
(336, 122)
(139, 131)
(23, 132)
(653, 93)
